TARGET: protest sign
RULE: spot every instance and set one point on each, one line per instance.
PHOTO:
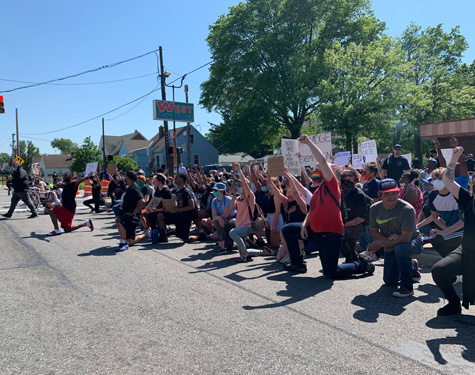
(409, 158)
(369, 151)
(91, 167)
(169, 204)
(111, 168)
(357, 161)
(447, 153)
(275, 166)
(341, 158)
(290, 151)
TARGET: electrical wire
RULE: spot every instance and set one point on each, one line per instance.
(5, 141)
(81, 84)
(202, 66)
(95, 118)
(78, 74)
(131, 108)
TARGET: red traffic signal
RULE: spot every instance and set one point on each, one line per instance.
(2, 106)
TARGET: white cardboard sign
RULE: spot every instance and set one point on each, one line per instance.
(357, 161)
(91, 167)
(369, 151)
(341, 158)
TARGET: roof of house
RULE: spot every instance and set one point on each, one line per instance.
(160, 143)
(135, 145)
(57, 161)
(113, 142)
(36, 159)
(239, 157)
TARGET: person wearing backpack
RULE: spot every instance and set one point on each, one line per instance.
(323, 226)
(395, 165)
(356, 209)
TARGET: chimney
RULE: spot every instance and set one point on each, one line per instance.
(161, 132)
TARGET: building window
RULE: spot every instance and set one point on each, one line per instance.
(196, 159)
(158, 161)
(192, 139)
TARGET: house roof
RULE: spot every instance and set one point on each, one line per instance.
(57, 161)
(160, 143)
(239, 157)
(113, 142)
(135, 145)
(36, 159)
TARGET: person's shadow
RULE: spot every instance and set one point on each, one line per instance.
(464, 325)
(380, 302)
(297, 289)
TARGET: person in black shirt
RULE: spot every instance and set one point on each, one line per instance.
(462, 259)
(395, 165)
(19, 182)
(65, 213)
(130, 213)
(182, 215)
(97, 197)
(161, 191)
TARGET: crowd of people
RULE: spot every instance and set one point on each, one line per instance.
(385, 210)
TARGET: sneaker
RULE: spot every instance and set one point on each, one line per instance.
(7, 215)
(90, 225)
(367, 266)
(416, 275)
(369, 256)
(285, 260)
(458, 280)
(123, 246)
(32, 216)
(219, 251)
(451, 308)
(403, 292)
(298, 268)
(54, 233)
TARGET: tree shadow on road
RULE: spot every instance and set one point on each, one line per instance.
(464, 325)
(297, 289)
(380, 302)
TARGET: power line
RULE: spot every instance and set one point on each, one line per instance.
(81, 84)
(78, 74)
(95, 118)
(202, 66)
(135, 106)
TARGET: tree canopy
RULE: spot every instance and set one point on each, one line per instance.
(87, 153)
(64, 145)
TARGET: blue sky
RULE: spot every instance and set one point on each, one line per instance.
(41, 41)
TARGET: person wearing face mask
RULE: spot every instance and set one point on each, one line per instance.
(445, 211)
(323, 226)
(220, 209)
(410, 193)
(356, 209)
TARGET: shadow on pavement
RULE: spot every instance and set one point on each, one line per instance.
(464, 325)
(380, 302)
(102, 251)
(42, 237)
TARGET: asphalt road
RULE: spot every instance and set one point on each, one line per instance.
(71, 305)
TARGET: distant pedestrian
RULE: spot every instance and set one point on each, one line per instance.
(20, 191)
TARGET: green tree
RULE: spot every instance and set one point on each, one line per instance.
(87, 153)
(438, 90)
(64, 145)
(5, 157)
(125, 164)
(272, 52)
(27, 151)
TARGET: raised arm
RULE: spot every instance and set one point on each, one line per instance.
(449, 175)
(318, 155)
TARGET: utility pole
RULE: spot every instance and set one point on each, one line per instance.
(13, 146)
(103, 147)
(188, 134)
(168, 160)
(17, 135)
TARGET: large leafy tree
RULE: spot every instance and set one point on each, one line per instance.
(27, 151)
(64, 145)
(87, 153)
(125, 164)
(273, 51)
(441, 86)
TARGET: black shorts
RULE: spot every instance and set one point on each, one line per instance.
(130, 224)
(182, 223)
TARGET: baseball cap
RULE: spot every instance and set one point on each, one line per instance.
(470, 155)
(427, 181)
(388, 185)
(219, 186)
(397, 147)
(432, 160)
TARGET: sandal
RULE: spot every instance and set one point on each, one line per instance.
(244, 259)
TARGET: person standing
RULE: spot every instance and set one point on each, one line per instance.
(19, 183)
(392, 223)
(395, 165)
(65, 213)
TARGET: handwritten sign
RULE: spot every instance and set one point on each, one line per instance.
(369, 151)
(91, 167)
(357, 161)
(341, 158)
(275, 166)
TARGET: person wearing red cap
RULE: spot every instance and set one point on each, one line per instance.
(392, 223)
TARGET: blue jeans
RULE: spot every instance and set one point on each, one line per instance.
(238, 235)
(365, 239)
(328, 246)
(398, 263)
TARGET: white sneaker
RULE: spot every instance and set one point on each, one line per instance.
(458, 280)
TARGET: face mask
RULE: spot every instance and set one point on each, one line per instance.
(141, 184)
(316, 176)
(365, 176)
(402, 184)
(216, 193)
(239, 190)
(438, 184)
(264, 188)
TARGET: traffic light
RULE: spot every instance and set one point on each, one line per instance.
(2, 106)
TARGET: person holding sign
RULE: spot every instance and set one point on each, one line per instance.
(323, 226)
(19, 182)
